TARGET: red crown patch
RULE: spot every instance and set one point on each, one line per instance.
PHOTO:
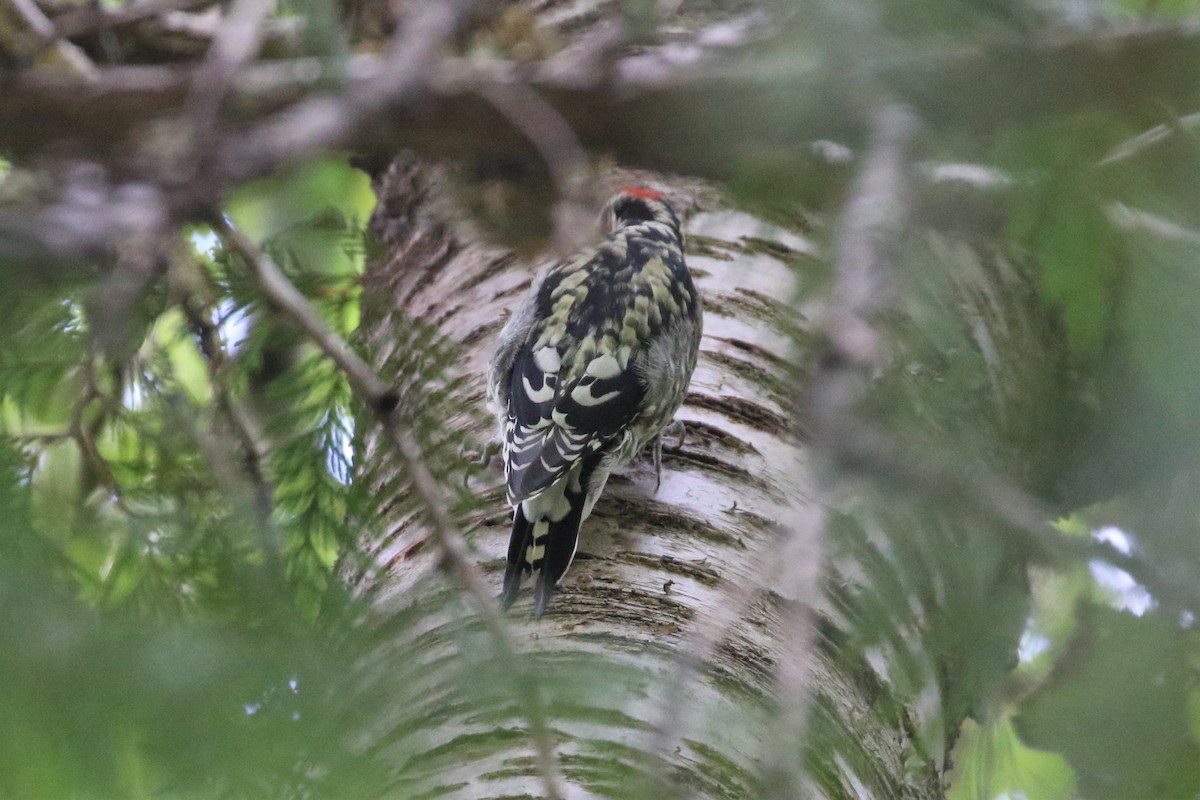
(644, 192)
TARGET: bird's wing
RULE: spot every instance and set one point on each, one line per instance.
(576, 384)
(559, 410)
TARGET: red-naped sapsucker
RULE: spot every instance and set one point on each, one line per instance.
(589, 369)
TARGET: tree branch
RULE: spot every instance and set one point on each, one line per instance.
(323, 123)
(870, 221)
(382, 401)
(236, 42)
(91, 17)
(39, 24)
(44, 33)
(187, 275)
(1131, 71)
(285, 297)
(562, 153)
(869, 226)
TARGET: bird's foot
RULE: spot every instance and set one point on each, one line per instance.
(480, 456)
(675, 428)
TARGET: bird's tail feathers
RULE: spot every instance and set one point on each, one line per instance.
(544, 537)
(518, 544)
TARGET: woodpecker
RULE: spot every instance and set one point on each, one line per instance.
(589, 369)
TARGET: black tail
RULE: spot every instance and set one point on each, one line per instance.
(560, 543)
(557, 537)
(518, 544)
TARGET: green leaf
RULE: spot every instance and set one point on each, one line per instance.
(1160, 321)
(991, 762)
(265, 209)
(188, 367)
(1080, 257)
(1058, 211)
(1116, 706)
(56, 489)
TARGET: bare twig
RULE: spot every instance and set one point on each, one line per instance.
(245, 428)
(91, 17)
(325, 122)
(609, 111)
(44, 32)
(870, 223)
(455, 556)
(862, 275)
(280, 292)
(1147, 139)
(1133, 219)
(39, 24)
(868, 226)
(84, 433)
(562, 152)
(147, 91)
(236, 43)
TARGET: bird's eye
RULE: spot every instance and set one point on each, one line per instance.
(632, 210)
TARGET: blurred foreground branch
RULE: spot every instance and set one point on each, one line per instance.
(381, 401)
(870, 222)
(1132, 72)
(91, 17)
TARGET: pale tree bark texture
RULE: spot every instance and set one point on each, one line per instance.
(719, 564)
(689, 651)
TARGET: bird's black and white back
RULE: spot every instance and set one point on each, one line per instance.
(589, 369)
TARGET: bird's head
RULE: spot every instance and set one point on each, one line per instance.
(633, 205)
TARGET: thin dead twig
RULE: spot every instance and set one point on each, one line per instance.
(455, 556)
(44, 33)
(84, 433)
(1147, 139)
(39, 24)
(866, 230)
(565, 157)
(321, 123)
(872, 217)
(36, 111)
(244, 426)
(1135, 219)
(287, 298)
(235, 44)
(869, 224)
(92, 17)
